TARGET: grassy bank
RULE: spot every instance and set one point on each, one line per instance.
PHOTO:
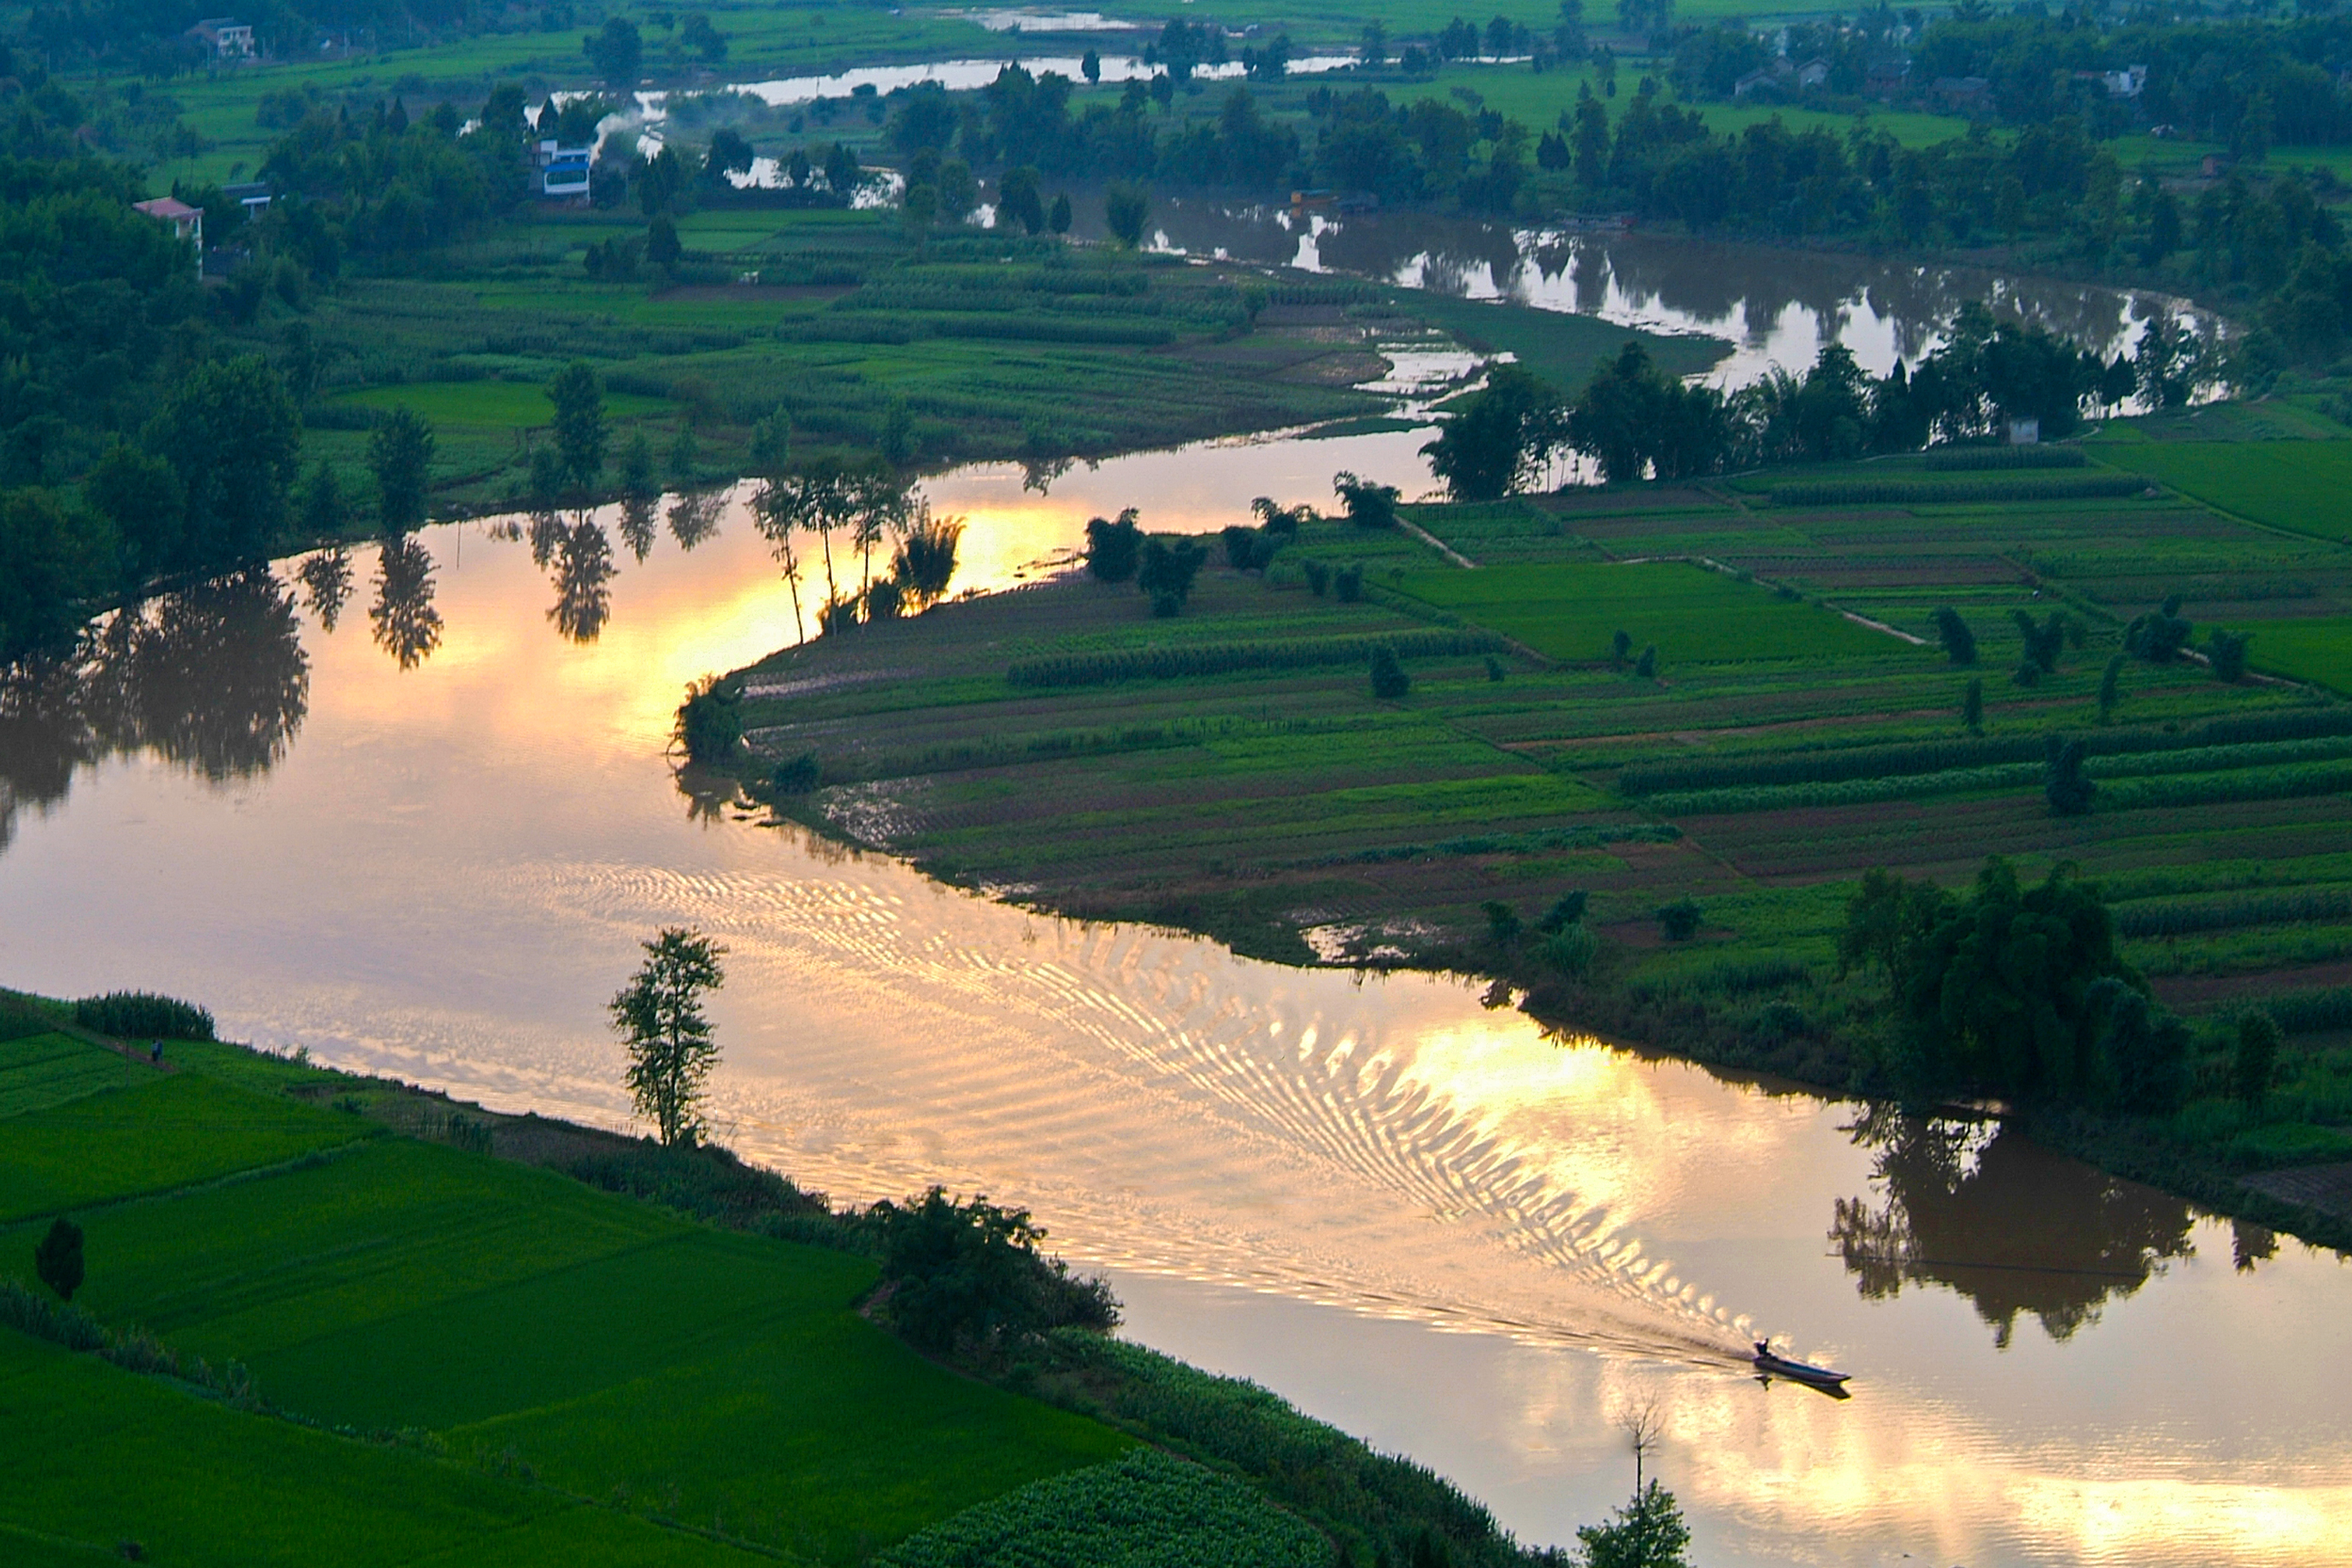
(326, 1316)
(1798, 724)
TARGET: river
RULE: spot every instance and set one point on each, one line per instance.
(424, 840)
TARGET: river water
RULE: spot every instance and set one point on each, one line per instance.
(410, 809)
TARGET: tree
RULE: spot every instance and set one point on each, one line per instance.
(1959, 643)
(1167, 572)
(323, 512)
(1090, 65)
(1972, 706)
(400, 455)
(1058, 220)
(659, 1015)
(2064, 783)
(579, 421)
(1372, 47)
(2110, 687)
(141, 497)
(707, 41)
(2225, 652)
(1503, 923)
(617, 52)
(637, 468)
(1500, 440)
(1680, 919)
(662, 247)
(57, 1257)
(1646, 667)
(1368, 505)
(2043, 643)
(231, 434)
(1127, 207)
(1390, 681)
(1647, 1532)
(2256, 1062)
(711, 721)
(1113, 548)
(1017, 200)
(2157, 636)
(51, 564)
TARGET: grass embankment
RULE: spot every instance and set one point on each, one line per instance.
(436, 1354)
(1781, 750)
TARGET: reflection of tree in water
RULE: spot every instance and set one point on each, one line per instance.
(583, 566)
(326, 585)
(695, 518)
(637, 526)
(406, 625)
(2008, 1224)
(213, 679)
(547, 535)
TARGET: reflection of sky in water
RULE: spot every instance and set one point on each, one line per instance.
(1413, 1212)
(964, 76)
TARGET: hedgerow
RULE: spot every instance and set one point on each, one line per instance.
(1909, 492)
(1829, 766)
(1104, 667)
(1974, 459)
(2231, 914)
(1144, 1509)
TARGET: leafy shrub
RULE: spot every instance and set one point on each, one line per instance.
(1621, 647)
(2309, 1012)
(1240, 546)
(1977, 459)
(2255, 1061)
(797, 776)
(1565, 911)
(1646, 667)
(142, 1015)
(1319, 577)
(1113, 547)
(1930, 492)
(1495, 670)
(1104, 667)
(1144, 1509)
(2110, 687)
(968, 1276)
(1680, 919)
(711, 721)
(1571, 949)
(1390, 681)
(1972, 706)
(1167, 570)
(1503, 923)
(2158, 635)
(1348, 583)
(2045, 642)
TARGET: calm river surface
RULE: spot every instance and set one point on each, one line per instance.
(425, 841)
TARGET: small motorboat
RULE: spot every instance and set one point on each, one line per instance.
(1769, 1364)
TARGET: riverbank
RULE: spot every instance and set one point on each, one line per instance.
(407, 1301)
(1231, 773)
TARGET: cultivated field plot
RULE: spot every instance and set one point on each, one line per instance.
(2315, 651)
(1782, 751)
(189, 1480)
(37, 1072)
(1690, 613)
(659, 1367)
(2302, 486)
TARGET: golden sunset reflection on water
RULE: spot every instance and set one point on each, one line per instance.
(1416, 1215)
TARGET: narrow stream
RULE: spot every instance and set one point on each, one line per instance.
(425, 839)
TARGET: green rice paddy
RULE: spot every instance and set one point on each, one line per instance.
(2319, 651)
(2301, 486)
(1570, 611)
(557, 1343)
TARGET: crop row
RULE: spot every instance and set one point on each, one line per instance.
(1974, 460)
(1906, 492)
(2231, 914)
(1829, 766)
(2308, 1012)
(1845, 792)
(1225, 658)
(1536, 843)
(2223, 789)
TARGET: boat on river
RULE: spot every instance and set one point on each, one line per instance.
(1770, 1364)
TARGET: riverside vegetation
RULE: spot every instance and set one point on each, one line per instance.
(1639, 760)
(317, 1313)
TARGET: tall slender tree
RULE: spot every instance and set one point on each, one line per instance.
(659, 1016)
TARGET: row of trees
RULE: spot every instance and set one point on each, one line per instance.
(1636, 422)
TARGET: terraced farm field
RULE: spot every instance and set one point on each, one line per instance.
(2302, 486)
(558, 1343)
(1781, 749)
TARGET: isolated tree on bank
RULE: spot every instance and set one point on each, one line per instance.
(659, 1015)
(1369, 505)
(1502, 438)
(579, 421)
(400, 455)
(1113, 547)
(1647, 1532)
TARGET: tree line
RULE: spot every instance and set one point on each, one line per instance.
(1636, 422)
